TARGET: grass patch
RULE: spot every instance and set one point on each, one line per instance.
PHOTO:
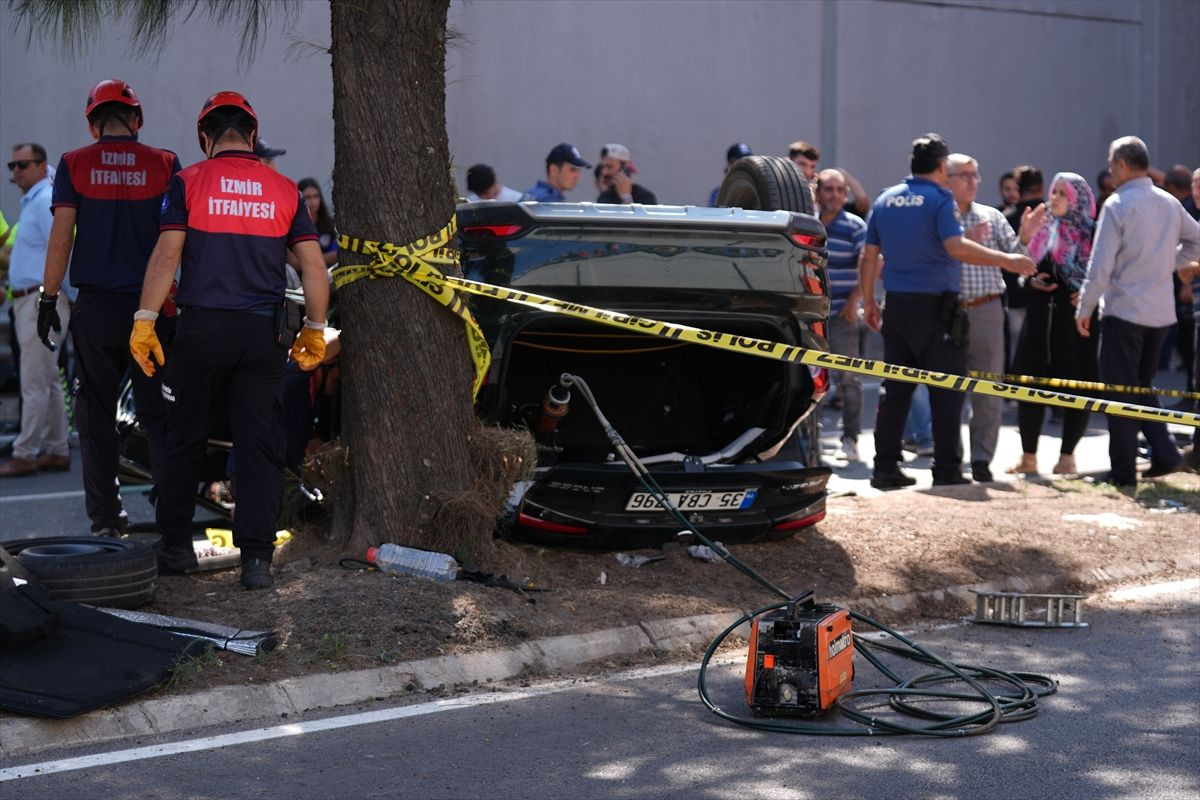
(191, 666)
(334, 645)
(1164, 495)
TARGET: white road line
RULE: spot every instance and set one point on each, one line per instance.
(334, 723)
(24, 498)
(21, 498)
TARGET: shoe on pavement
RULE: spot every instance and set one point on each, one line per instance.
(176, 559)
(256, 574)
(1026, 466)
(850, 450)
(891, 479)
(54, 463)
(18, 468)
(951, 480)
(1066, 465)
(981, 472)
(1159, 470)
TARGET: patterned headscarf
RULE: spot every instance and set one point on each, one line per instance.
(1067, 240)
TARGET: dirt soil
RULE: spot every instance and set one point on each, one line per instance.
(334, 619)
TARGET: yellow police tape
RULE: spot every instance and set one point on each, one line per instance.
(416, 263)
(1082, 386)
(431, 255)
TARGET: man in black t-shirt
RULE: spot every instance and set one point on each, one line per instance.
(617, 169)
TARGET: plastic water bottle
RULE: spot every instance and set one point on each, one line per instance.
(408, 561)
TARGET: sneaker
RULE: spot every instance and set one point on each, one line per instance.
(850, 450)
(981, 472)
(114, 530)
(108, 533)
(891, 479)
(176, 559)
(256, 574)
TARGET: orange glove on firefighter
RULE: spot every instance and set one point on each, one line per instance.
(309, 348)
(143, 343)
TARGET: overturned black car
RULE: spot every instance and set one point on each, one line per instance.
(731, 438)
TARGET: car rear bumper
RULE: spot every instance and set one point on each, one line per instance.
(585, 505)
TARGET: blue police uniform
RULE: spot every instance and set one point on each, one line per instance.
(545, 193)
(909, 223)
(239, 218)
(116, 186)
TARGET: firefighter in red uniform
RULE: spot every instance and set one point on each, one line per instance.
(229, 222)
(106, 207)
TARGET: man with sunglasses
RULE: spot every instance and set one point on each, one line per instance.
(42, 442)
(106, 205)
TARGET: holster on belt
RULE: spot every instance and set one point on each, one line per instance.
(288, 319)
(954, 317)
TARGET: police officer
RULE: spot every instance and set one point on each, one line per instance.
(924, 325)
(106, 204)
(229, 222)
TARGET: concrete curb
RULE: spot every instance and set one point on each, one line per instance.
(292, 696)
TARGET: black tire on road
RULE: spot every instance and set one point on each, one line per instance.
(766, 183)
(100, 571)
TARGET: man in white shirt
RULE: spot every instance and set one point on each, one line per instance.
(1143, 236)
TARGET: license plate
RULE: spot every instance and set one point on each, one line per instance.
(696, 500)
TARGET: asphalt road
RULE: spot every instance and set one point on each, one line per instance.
(1123, 725)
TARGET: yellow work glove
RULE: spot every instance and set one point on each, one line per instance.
(143, 343)
(309, 348)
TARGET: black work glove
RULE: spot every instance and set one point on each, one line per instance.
(48, 319)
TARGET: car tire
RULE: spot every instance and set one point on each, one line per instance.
(766, 183)
(99, 571)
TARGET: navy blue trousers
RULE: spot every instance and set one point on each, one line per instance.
(228, 358)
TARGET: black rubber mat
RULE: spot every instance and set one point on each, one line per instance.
(93, 660)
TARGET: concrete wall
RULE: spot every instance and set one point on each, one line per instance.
(1044, 81)
(43, 92)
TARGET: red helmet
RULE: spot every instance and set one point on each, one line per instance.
(231, 100)
(113, 91)
(226, 100)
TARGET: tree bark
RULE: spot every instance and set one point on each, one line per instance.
(407, 406)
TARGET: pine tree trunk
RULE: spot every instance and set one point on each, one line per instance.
(407, 411)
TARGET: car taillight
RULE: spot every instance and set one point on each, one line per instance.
(806, 240)
(490, 231)
(546, 525)
(820, 379)
(802, 522)
(813, 284)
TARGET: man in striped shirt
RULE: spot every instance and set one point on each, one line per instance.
(982, 295)
(845, 234)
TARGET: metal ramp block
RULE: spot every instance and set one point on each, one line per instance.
(1024, 610)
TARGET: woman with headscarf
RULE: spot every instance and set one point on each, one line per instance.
(1049, 345)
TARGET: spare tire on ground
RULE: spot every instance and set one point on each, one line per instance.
(766, 183)
(97, 570)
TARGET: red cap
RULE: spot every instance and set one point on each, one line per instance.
(371, 553)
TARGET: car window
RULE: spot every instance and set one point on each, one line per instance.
(643, 258)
